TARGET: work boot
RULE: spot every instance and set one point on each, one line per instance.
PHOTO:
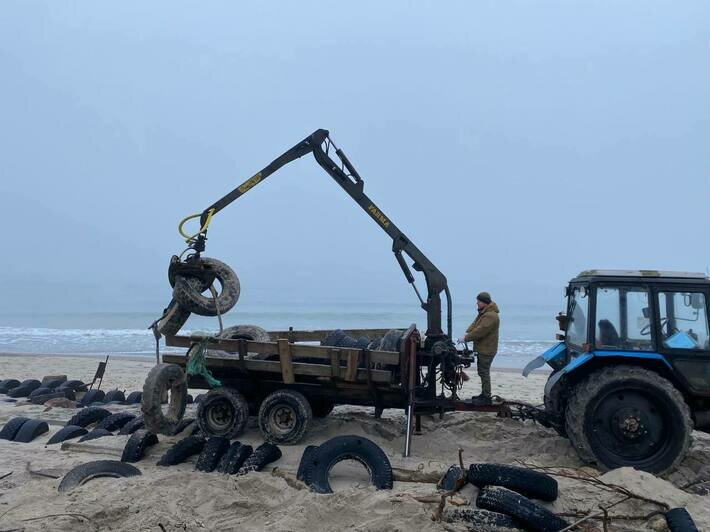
(481, 400)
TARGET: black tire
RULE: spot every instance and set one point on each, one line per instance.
(189, 298)
(11, 427)
(391, 340)
(182, 425)
(265, 454)
(67, 433)
(115, 421)
(223, 412)
(199, 398)
(362, 342)
(304, 465)
(628, 416)
(189, 400)
(525, 481)
(234, 458)
(75, 385)
(164, 377)
(284, 416)
(334, 338)
(211, 454)
(40, 391)
(482, 519)
(132, 426)
(20, 391)
(679, 520)
(321, 407)
(531, 515)
(30, 430)
(92, 396)
(349, 448)
(134, 398)
(182, 450)
(83, 473)
(31, 383)
(53, 381)
(8, 384)
(114, 395)
(450, 478)
(87, 416)
(374, 344)
(174, 317)
(137, 444)
(252, 333)
(95, 434)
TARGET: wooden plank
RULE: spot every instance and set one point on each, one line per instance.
(286, 362)
(274, 366)
(351, 370)
(335, 363)
(390, 358)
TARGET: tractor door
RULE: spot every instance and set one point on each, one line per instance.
(683, 333)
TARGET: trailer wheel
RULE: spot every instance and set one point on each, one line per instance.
(628, 416)
(191, 298)
(284, 417)
(223, 412)
(161, 379)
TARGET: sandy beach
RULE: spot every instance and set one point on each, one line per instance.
(178, 498)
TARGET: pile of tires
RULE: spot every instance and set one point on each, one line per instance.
(39, 392)
(23, 430)
(389, 342)
(192, 295)
(505, 499)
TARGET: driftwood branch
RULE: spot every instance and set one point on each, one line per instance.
(290, 479)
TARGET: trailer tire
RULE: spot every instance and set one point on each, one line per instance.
(525, 481)
(190, 298)
(67, 432)
(656, 419)
(391, 340)
(482, 519)
(115, 421)
(679, 520)
(137, 444)
(10, 429)
(87, 416)
(265, 454)
(182, 450)
(95, 435)
(92, 396)
(321, 407)
(284, 417)
(223, 412)
(132, 426)
(349, 448)
(304, 465)
(234, 458)
(531, 515)
(253, 333)
(334, 338)
(211, 454)
(161, 379)
(31, 429)
(83, 473)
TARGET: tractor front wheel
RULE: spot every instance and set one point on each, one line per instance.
(628, 416)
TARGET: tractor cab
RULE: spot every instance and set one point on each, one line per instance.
(633, 361)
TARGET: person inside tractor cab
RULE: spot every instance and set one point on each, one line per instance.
(483, 332)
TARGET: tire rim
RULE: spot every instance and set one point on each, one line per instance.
(220, 415)
(282, 419)
(631, 425)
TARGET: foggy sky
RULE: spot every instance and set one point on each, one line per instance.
(516, 143)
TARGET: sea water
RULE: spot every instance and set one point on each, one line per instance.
(526, 331)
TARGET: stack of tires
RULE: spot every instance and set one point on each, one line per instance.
(191, 294)
(505, 499)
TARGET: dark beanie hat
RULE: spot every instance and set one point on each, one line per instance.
(484, 297)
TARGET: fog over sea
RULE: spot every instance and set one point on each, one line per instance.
(526, 330)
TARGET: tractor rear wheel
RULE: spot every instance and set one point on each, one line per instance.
(628, 416)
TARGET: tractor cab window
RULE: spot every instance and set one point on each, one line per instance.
(623, 319)
(577, 318)
(684, 320)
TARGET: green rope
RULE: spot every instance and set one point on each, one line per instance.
(197, 364)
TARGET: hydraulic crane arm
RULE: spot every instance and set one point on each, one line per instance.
(320, 144)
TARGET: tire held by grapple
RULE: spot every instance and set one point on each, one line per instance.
(189, 298)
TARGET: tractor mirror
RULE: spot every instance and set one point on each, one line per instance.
(646, 312)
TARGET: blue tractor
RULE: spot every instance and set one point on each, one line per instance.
(631, 374)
